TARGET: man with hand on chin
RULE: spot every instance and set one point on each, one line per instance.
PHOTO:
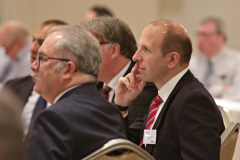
(183, 121)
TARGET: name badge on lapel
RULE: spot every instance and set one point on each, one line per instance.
(149, 136)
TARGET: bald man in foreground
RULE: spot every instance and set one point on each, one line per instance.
(183, 121)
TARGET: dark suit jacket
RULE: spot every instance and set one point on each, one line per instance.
(78, 124)
(21, 88)
(138, 108)
(189, 125)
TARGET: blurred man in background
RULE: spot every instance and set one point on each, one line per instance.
(216, 66)
(23, 87)
(14, 38)
(118, 46)
(98, 11)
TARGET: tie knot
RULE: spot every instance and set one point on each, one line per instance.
(209, 63)
(106, 91)
(158, 100)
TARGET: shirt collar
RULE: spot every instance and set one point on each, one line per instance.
(61, 94)
(166, 90)
(113, 83)
(219, 56)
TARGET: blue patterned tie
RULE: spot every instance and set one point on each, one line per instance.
(208, 74)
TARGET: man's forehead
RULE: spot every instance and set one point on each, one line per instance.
(98, 37)
(43, 30)
(208, 25)
(49, 44)
(151, 32)
(54, 36)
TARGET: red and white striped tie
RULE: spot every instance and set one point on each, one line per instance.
(152, 113)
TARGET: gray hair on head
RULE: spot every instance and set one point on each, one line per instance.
(220, 25)
(113, 30)
(79, 46)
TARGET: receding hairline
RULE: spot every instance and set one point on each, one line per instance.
(170, 26)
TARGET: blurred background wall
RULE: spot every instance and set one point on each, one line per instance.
(136, 13)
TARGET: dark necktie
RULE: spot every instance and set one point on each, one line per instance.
(152, 113)
(40, 105)
(106, 91)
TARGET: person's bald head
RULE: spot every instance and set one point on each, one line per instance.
(174, 39)
(12, 30)
(13, 37)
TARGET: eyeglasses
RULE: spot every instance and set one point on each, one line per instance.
(206, 35)
(38, 59)
(104, 42)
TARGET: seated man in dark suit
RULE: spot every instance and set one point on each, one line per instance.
(183, 122)
(23, 87)
(118, 46)
(80, 119)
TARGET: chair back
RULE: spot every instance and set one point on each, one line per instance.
(229, 136)
(133, 152)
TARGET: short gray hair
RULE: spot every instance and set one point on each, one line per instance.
(220, 25)
(115, 31)
(79, 46)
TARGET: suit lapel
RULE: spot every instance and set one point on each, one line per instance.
(129, 68)
(188, 76)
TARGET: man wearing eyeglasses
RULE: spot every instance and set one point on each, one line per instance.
(118, 46)
(80, 119)
(216, 66)
(23, 87)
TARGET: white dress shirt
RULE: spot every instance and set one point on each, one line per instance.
(113, 83)
(224, 82)
(167, 89)
(28, 110)
(61, 94)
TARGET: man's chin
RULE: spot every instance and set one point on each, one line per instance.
(145, 78)
(36, 88)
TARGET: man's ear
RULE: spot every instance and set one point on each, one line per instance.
(116, 50)
(69, 70)
(173, 59)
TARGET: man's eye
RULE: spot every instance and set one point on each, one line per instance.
(146, 49)
(40, 42)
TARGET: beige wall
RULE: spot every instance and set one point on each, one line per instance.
(136, 13)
